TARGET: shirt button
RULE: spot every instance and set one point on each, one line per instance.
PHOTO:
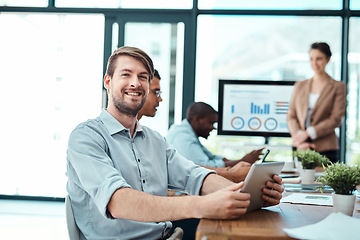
(138, 160)
(143, 181)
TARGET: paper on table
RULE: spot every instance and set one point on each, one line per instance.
(312, 199)
(336, 226)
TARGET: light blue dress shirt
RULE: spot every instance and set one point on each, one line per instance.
(102, 157)
(185, 140)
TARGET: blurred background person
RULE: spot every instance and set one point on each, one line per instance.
(199, 122)
(317, 107)
(153, 99)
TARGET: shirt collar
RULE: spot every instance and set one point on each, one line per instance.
(113, 125)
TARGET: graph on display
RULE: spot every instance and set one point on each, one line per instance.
(281, 107)
(254, 107)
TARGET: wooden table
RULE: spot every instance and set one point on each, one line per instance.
(265, 223)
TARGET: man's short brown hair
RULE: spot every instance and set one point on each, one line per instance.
(134, 52)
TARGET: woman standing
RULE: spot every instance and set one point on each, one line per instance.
(317, 107)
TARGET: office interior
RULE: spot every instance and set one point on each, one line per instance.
(54, 54)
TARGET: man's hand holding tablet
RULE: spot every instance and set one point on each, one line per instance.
(262, 188)
(264, 185)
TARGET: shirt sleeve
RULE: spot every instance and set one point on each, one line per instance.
(91, 169)
(338, 109)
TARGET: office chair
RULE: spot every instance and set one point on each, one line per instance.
(73, 230)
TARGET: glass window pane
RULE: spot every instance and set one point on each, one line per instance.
(271, 4)
(260, 48)
(24, 3)
(355, 4)
(353, 108)
(162, 4)
(52, 81)
(164, 47)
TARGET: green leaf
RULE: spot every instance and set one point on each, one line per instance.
(311, 159)
(341, 177)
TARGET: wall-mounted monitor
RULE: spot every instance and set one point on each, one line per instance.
(254, 108)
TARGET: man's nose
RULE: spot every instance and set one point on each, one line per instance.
(135, 82)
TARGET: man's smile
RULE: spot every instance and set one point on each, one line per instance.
(134, 93)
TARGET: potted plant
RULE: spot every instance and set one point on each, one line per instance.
(309, 160)
(343, 179)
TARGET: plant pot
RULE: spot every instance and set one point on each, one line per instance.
(344, 203)
(307, 176)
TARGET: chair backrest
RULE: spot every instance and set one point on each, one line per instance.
(73, 230)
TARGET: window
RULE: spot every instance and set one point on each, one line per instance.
(355, 4)
(258, 48)
(51, 81)
(24, 3)
(271, 4)
(165, 47)
(52, 66)
(353, 108)
(163, 4)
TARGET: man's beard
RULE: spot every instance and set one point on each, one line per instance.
(120, 105)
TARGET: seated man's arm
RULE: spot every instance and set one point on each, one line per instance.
(221, 199)
(235, 174)
(250, 157)
(135, 205)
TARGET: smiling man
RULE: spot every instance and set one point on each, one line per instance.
(119, 171)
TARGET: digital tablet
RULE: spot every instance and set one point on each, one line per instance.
(256, 179)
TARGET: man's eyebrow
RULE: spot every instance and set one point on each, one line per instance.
(129, 70)
(124, 70)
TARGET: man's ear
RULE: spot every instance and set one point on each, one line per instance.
(196, 120)
(107, 79)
